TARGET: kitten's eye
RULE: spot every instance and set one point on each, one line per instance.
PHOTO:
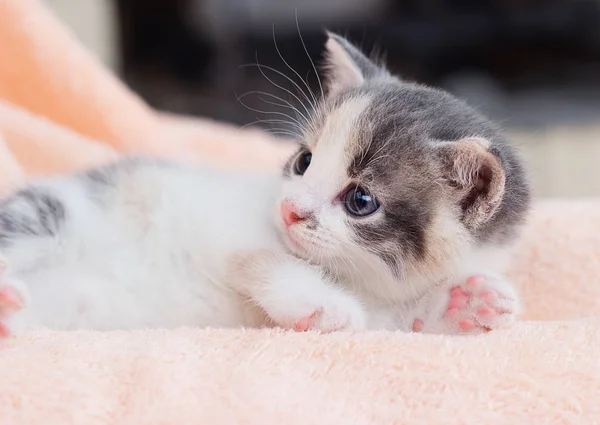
(359, 202)
(302, 162)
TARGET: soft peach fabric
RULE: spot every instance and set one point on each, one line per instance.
(44, 71)
(221, 377)
(60, 111)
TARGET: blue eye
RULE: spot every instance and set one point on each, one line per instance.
(359, 202)
(302, 162)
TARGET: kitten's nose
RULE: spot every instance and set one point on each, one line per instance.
(290, 214)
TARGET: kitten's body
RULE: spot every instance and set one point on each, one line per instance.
(147, 244)
(126, 246)
(138, 244)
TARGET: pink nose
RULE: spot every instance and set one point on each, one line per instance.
(289, 214)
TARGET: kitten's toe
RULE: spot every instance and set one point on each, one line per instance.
(306, 323)
(339, 314)
(12, 299)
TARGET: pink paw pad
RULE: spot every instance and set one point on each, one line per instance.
(486, 311)
(474, 281)
(417, 325)
(10, 299)
(457, 302)
(456, 291)
(304, 324)
(466, 325)
(4, 331)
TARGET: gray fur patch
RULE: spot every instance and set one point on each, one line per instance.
(394, 154)
(30, 212)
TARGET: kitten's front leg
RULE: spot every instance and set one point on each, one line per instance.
(295, 295)
(476, 304)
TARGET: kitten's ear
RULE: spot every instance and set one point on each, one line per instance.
(346, 66)
(476, 175)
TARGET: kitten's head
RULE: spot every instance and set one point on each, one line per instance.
(396, 182)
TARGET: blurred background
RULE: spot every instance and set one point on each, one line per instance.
(533, 66)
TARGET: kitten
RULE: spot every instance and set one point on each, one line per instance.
(396, 213)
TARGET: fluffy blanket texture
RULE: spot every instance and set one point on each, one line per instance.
(61, 111)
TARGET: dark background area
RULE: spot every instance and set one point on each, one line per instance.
(188, 56)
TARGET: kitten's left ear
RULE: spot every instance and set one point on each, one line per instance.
(346, 66)
(475, 175)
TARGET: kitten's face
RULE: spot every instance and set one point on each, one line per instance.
(375, 195)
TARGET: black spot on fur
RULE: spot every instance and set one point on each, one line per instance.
(30, 212)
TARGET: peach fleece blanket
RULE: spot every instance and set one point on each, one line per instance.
(60, 110)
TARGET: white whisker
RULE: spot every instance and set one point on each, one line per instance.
(260, 68)
(284, 104)
(314, 99)
(294, 120)
(308, 55)
(289, 125)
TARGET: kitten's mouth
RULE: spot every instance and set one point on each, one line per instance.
(294, 241)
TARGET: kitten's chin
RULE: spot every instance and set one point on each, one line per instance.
(294, 244)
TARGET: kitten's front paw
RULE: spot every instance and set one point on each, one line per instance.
(337, 313)
(313, 305)
(477, 304)
(12, 299)
(300, 297)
